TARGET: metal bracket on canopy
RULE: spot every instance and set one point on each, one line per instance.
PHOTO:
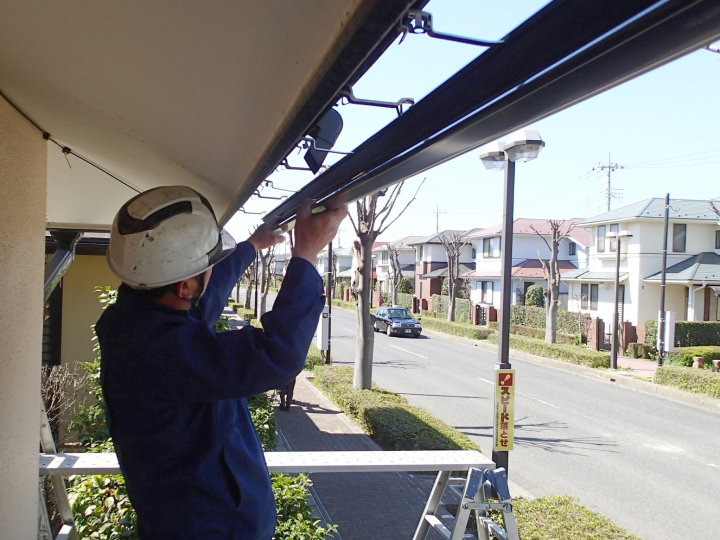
(260, 196)
(420, 22)
(347, 94)
(309, 143)
(268, 183)
(241, 209)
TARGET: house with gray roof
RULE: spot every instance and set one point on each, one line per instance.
(693, 262)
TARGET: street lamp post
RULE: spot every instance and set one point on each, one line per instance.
(616, 315)
(524, 145)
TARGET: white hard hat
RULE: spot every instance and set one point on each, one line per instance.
(165, 235)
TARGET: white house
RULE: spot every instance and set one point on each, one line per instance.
(527, 249)
(693, 262)
(406, 258)
(343, 262)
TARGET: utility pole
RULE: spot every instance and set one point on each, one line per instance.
(437, 218)
(609, 167)
(661, 323)
(329, 293)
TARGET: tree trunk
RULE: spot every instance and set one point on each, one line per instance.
(263, 288)
(451, 300)
(553, 290)
(394, 292)
(365, 340)
(551, 323)
(248, 294)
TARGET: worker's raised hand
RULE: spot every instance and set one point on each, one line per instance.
(314, 231)
(263, 237)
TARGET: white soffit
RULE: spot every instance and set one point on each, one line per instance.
(162, 92)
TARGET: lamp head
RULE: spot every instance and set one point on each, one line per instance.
(493, 156)
(524, 145)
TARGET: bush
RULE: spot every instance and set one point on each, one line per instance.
(566, 321)
(403, 300)
(405, 286)
(566, 353)
(466, 330)
(538, 333)
(314, 357)
(683, 356)
(295, 516)
(639, 350)
(462, 307)
(651, 333)
(697, 333)
(689, 379)
(387, 417)
(534, 296)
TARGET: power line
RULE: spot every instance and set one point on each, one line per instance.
(609, 193)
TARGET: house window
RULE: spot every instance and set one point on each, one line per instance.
(601, 238)
(474, 253)
(717, 239)
(383, 257)
(491, 247)
(588, 296)
(679, 233)
(420, 253)
(572, 248)
(486, 295)
(615, 228)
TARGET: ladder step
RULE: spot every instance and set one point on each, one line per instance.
(66, 532)
(436, 524)
(494, 528)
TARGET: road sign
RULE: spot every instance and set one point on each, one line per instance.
(504, 409)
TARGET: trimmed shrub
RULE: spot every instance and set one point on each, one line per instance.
(403, 300)
(639, 350)
(534, 296)
(538, 333)
(697, 333)
(651, 333)
(314, 357)
(567, 322)
(689, 379)
(558, 351)
(466, 330)
(462, 307)
(683, 356)
(387, 417)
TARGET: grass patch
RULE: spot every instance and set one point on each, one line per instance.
(567, 353)
(386, 417)
(698, 381)
(561, 518)
(538, 333)
(683, 356)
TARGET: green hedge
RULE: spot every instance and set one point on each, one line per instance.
(567, 322)
(567, 353)
(699, 381)
(640, 350)
(538, 333)
(403, 300)
(683, 356)
(387, 417)
(462, 307)
(466, 330)
(651, 333)
(697, 333)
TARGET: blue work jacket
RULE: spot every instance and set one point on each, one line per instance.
(174, 393)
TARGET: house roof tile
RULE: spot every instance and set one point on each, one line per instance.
(680, 209)
(699, 268)
(525, 226)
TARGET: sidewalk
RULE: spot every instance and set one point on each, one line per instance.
(639, 367)
(365, 506)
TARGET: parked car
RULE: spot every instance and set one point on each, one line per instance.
(396, 321)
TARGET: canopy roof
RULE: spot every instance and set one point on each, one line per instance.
(211, 95)
(701, 268)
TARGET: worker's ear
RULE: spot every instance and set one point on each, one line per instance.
(186, 289)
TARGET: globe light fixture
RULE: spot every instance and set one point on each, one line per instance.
(493, 156)
(524, 145)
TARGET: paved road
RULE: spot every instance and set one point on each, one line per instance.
(650, 464)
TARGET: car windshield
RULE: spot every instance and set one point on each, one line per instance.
(399, 314)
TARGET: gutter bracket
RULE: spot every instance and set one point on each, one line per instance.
(61, 260)
(420, 22)
(347, 94)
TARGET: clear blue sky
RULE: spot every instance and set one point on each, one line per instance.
(664, 127)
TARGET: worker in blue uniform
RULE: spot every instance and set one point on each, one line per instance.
(174, 389)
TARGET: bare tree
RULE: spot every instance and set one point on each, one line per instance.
(61, 389)
(395, 269)
(249, 276)
(371, 220)
(267, 264)
(558, 233)
(455, 243)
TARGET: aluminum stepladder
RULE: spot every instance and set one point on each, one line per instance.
(67, 530)
(473, 499)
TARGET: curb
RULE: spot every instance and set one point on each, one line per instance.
(621, 379)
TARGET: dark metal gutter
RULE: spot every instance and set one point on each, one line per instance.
(61, 260)
(532, 75)
(372, 29)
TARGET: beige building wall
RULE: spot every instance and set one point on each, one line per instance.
(23, 179)
(81, 308)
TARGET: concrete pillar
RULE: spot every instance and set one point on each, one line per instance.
(23, 183)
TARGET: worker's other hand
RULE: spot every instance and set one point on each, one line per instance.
(263, 237)
(315, 231)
